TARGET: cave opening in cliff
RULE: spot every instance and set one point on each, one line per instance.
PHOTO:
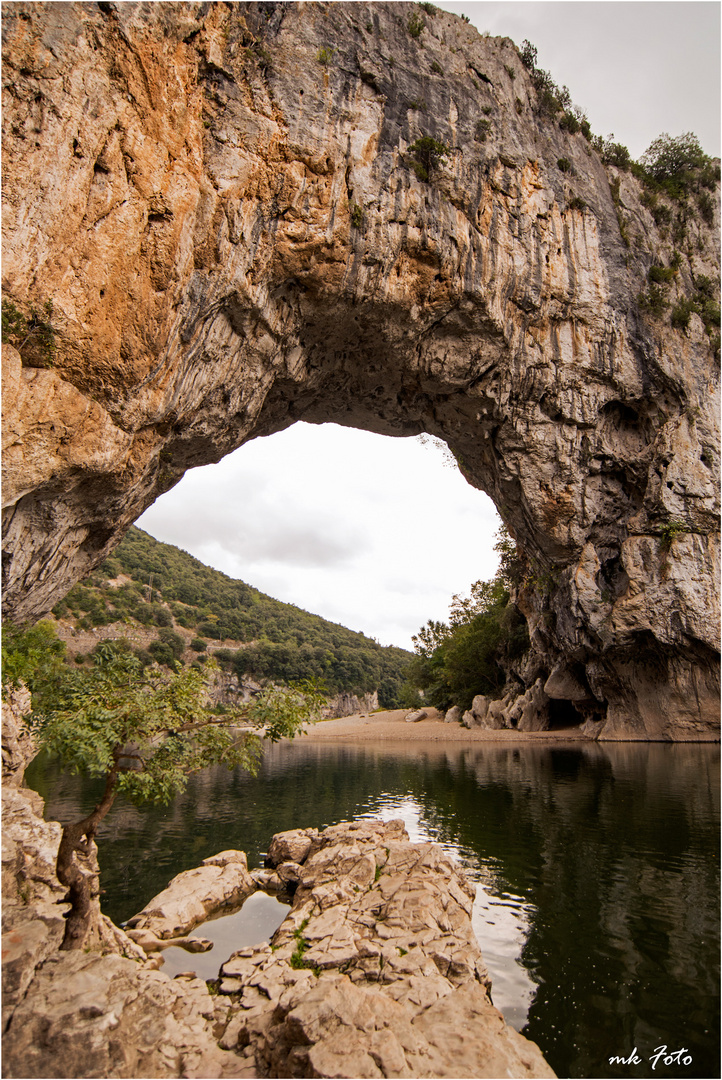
(563, 714)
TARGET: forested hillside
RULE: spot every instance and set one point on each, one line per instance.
(193, 606)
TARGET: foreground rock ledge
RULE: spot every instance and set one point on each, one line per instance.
(374, 973)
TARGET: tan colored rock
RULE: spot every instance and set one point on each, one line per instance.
(90, 1015)
(192, 896)
(290, 846)
(212, 281)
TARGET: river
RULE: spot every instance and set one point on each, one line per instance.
(597, 868)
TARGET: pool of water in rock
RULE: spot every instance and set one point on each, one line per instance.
(597, 872)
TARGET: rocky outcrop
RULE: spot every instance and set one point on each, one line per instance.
(220, 201)
(192, 896)
(374, 972)
(347, 704)
(33, 904)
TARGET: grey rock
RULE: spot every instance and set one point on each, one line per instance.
(251, 271)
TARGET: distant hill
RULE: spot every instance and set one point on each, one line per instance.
(175, 607)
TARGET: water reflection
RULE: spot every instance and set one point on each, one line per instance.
(598, 870)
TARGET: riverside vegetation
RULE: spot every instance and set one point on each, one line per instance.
(142, 730)
(158, 586)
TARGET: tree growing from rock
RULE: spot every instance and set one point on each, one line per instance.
(145, 732)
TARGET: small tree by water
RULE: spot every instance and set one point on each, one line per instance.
(142, 730)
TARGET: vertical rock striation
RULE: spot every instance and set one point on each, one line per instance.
(220, 201)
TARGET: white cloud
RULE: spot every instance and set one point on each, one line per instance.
(369, 531)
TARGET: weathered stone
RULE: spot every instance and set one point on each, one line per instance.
(193, 895)
(453, 715)
(18, 744)
(465, 1029)
(290, 846)
(233, 256)
(414, 717)
(90, 1015)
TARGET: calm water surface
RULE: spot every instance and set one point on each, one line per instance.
(597, 867)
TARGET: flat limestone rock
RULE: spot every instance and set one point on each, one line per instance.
(194, 895)
(355, 971)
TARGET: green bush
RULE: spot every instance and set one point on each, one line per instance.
(668, 158)
(661, 275)
(482, 129)
(198, 645)
(706, 207)
(33, 337)
(437, 68)
(569, 123)
(415, 25)
(428, 155)
(325, 55)
(455, 662)
(653, 301)
(528, 54)
(564, 165)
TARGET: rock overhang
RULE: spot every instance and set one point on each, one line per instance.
(245, 243)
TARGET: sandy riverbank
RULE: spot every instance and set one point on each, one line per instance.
(392, 726)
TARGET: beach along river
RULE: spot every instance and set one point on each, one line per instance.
(597, 869)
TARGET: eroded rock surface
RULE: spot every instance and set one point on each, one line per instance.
(193, 895)
(221, 204)
(375, 971)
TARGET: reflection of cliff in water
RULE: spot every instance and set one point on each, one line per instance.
(613, 849)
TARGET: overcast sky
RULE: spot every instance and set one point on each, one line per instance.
(379, 533)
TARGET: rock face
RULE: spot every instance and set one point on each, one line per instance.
(375, 971)
(220, 203)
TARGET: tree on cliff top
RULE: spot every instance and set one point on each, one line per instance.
(145, 732)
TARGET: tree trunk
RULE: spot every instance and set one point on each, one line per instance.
(76, 847)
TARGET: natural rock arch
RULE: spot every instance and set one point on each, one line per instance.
(228, 223)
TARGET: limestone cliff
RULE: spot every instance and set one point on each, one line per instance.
(221, 204)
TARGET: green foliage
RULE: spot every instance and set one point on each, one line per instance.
(528, 54)
(325, 55)
(510, 71)
(430, 9)
(670, 532)
(415, 25)
(576, 203)
(154, 730)
(564, 165)
(33, 337)
(661, 275)
(704, 303)
(706, 207)
(569, 123)
(279, 641)
(677, 167)
(198, 645)
(428, 155)
(357, 216)
(456, 661)
(482, 129)
(437, 68)
(33, 655)
(668, 158)
(653, 301)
